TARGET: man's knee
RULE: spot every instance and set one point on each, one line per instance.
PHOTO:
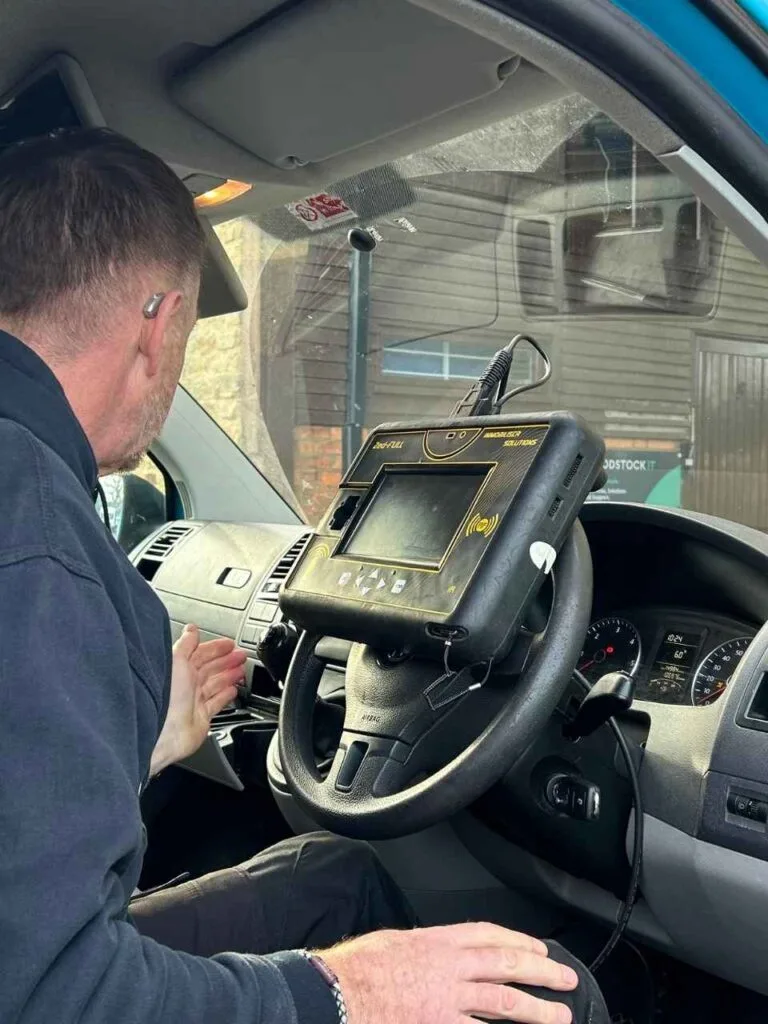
(323, 854)
(354, 852)
(356, 865)
(322, 860)
(356, 859)
(334, 887)
(352, 861)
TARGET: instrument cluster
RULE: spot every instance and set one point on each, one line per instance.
(676, 656)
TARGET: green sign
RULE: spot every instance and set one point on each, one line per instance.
(648, 477)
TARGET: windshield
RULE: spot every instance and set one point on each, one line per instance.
(555, 223)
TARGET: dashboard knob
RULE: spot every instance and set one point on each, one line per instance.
(276, 648)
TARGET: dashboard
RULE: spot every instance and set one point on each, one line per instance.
(677, 602)
(678, 599)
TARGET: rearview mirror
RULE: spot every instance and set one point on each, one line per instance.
(135, 508)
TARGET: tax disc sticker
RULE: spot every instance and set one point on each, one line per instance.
(321, 210)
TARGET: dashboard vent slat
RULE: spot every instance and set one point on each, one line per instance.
(162, 546)
(279, 574)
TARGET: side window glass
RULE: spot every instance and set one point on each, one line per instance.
(136, 503)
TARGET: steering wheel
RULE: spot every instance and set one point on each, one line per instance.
(407, 760)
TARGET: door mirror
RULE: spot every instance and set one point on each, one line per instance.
(135, 507)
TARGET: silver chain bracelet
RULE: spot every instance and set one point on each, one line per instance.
(329, 977)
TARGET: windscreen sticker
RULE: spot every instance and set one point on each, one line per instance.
(321, 211)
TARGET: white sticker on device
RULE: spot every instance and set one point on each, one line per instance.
(543, 555)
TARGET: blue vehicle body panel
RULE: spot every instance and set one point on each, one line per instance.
(690, 34)
(758, 9)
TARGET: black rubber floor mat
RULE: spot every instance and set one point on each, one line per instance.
(628, 987)
(690, 997)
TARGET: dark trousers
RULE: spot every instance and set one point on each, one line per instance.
(311, 892)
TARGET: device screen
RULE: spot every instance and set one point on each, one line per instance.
(414, 516)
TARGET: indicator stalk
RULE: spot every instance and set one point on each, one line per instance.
(611, 694)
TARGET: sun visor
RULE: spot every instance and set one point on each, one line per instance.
(221, 290)
(323, 78)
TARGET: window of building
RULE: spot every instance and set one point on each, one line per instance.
(451, 360)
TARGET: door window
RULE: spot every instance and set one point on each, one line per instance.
(136, 502)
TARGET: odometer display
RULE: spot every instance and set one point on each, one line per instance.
(611, 645)
(670, 677)
(714, 673)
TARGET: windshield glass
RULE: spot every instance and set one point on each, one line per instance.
(555, 223)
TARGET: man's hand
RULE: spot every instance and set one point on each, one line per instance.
(204, 680)
(448, 976)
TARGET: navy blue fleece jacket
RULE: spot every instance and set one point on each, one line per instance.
(84, 683)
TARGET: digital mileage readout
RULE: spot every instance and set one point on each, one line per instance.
(671, 672)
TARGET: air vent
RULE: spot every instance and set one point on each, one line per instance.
(569, 477)
(278, 575)
(163, 545)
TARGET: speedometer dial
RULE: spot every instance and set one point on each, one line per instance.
(611, 645)
(714, 673)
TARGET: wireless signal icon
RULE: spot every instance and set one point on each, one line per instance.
(321, 551)
(482, 524)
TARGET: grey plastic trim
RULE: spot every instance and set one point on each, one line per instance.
(747, 223)
(455, 69)
(563, 65)
(713, 902)
(541, 880)
(76, 84)
(210, 762)
(221, 290)
(215, 479)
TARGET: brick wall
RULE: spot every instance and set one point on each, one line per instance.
(213, 367)
(316, 467)
(223, 364)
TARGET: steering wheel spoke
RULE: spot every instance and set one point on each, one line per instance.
(366, 767)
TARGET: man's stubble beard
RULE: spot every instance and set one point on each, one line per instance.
(155, 413)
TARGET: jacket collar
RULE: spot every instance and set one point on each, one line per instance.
(31, 395)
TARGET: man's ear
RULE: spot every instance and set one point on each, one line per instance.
(154, 330)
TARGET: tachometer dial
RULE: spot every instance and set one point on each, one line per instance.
(611, 645)
(714, 673)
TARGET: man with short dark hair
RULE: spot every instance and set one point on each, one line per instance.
(100, 258)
